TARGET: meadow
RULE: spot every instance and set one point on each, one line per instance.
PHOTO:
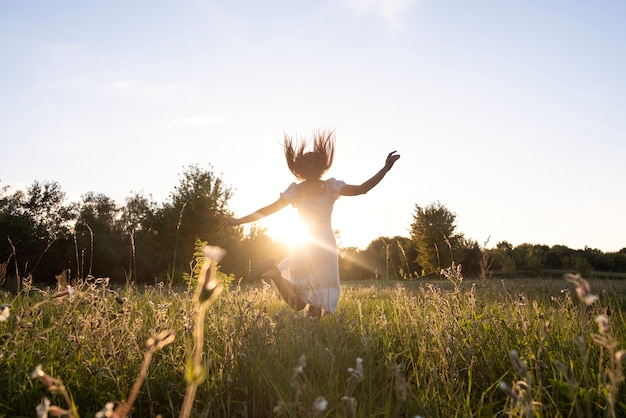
(449, 348)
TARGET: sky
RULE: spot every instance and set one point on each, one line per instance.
(509, 113)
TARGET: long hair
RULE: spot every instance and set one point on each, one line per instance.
(313, 164)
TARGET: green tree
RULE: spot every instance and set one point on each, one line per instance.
(391, 258)
(352, 264)
(503, 258)
(531, 257)
(193, 211)
(99, 239)
(35, 226)
(471, 259)
(433, 232)
(557, 257)
(140, 238)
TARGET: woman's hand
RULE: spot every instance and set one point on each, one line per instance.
(229, 221)
(392, 157)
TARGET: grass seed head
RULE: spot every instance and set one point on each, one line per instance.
(107, 411)
(319, 405)
(504, 387)
(583, 288)
(42, 408)
(603, 324)
(160, 340)
(209, 288)
(4, 312)
(519, 365)
(356, 374)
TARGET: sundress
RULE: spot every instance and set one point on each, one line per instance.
(312, 267)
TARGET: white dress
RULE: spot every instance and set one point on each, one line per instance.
(313, 267)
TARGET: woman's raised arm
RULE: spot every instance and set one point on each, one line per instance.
(354, 190)
(256, 215)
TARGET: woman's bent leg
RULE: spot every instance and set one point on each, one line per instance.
(285, 288)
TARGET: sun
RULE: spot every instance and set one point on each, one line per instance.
(286, 229)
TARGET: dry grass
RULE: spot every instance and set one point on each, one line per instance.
(451, 348)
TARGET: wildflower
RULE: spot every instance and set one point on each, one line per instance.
(356, 374)
(320, 404)
(507, 389)
(4, 312)
(280, 407)
(350, 402)
(43, 407)
(69, 291)
(161, 340)
(603, 324)
(53, 385)
(518, 363)
(330, 353)
(213, 253)
(400, 384)
(107, 411)
(208, 286)
(299, 369)
(583, 288)
(349, 406)
(38, 372)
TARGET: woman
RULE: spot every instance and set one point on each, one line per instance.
(310, 274)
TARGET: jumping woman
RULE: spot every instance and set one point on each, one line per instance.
(310, 274)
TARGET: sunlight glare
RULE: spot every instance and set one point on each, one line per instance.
(286, 229)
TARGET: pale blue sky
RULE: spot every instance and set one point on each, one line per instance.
(510, 113)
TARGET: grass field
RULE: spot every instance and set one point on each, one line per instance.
(452, 348)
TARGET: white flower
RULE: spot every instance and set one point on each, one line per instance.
(350, 402)
(356, 374)
(4, 313)
(603, 324)
(518, 363)
(107, 411)
(38, 372)
(43, 408)
(320, 404)
(583, 288)
(213, 253)
(299, 369)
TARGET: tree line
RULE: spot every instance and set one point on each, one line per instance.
(143, 241)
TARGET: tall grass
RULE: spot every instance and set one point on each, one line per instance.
(440, 349)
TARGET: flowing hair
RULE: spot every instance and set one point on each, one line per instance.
(313, 164)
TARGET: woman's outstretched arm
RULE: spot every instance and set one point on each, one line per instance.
(354, 190)
(256, 215)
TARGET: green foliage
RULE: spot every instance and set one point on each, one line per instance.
(433, 349)
(145, 242)
(195, 265)
(388, 258)
(433, 232)
(140, 242)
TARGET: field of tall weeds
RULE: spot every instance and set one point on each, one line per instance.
(450, 348)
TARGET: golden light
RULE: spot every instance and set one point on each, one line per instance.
(286, 229)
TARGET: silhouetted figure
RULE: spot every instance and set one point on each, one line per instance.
(310, 274)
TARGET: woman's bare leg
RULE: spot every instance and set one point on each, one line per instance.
(315, 312)
(285, 288)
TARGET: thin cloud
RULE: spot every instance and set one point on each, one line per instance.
(392, 11)
(197, 121)
(142, 89)
(60, 49)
